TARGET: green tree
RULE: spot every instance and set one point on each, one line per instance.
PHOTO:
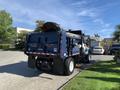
(96, 35)
(43, 26)
(22, 35)
(20, 42)
(7, 32)
(116, 34)
(39, 24)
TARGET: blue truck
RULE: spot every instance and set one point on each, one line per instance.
(55, 50)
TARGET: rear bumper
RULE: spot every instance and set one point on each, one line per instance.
(42, 55)
(57, 67)
(38, 53)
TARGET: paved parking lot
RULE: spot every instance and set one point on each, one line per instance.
(15, 75)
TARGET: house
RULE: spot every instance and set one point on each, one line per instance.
(19, 29)
(95, 41)
(108, 42)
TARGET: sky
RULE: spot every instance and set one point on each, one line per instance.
(90, 16)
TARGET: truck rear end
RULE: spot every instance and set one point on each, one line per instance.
(42, 48)
(54, 49)
(42, 43)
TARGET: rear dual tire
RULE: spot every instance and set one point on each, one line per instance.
(38, 65)
(69, 66)
(31, 61)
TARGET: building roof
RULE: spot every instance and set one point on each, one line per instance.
(108, 39)
(96, 38)
(19, 29)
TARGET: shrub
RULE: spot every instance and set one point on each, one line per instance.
(20, 45)
(4, 46)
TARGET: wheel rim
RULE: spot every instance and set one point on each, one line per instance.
(71, 66)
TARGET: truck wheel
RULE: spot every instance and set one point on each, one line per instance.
(31, 61)
(87, 59)
(38, 64)
(69, 66)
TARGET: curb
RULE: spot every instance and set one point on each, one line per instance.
(83, 67)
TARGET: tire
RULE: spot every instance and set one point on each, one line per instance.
(31, 61)
(31, 57)
(38, 64)
(86, 59)
(58, 66)
(69, 66)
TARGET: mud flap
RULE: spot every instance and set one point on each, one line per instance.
(58, 67)
(31, 62)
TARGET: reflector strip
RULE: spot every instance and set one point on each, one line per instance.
(40, 53)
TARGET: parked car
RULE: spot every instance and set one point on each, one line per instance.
(114, 48)
(97, 50)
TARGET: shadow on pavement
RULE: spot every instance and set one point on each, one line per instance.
(20, 68)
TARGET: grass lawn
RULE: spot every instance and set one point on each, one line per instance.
(104, 75)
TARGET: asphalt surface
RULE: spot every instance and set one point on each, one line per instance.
(15, 75)
(101, 57)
